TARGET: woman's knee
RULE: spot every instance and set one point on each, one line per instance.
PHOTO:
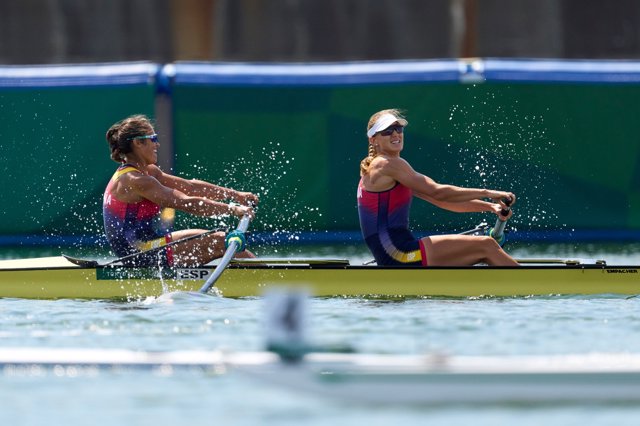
(217, 235)
(214, 242)
(207, 245)
(489, 244)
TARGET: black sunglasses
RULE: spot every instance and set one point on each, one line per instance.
(389, 130)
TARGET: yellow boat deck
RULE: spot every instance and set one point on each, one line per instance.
(56, 277)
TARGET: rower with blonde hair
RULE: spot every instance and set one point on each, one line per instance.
(387, 186)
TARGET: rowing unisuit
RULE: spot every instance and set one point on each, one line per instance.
(384, 221)
(134, 227)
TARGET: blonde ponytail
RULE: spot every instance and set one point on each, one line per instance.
(366, 162)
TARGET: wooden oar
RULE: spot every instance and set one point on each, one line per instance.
(234, 244)
(88, 263)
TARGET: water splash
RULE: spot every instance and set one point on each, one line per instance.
(267, 172)
(499, 146)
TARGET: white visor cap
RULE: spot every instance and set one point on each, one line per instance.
(384, 121)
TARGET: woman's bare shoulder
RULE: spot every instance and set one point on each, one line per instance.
(154, 171)
(380, 176)
(390, 164)
(139, 182)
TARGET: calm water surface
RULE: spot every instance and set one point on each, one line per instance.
(505, 326)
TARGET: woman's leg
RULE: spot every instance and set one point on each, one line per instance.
(464, 250)
(200, 251)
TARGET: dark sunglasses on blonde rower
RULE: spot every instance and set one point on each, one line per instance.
(389, 130)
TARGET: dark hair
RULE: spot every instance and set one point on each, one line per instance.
(119, 135)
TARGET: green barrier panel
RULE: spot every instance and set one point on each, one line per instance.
(567, 150)
(53, 149)
(565, 145)
(226, 136)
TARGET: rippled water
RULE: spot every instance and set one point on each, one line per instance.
(502, 326)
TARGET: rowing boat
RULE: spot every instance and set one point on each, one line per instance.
(58, 277)
(375, 378)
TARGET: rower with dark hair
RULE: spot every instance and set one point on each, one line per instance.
(138, 191)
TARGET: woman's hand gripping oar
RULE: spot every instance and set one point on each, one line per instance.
(234, 242)
(497, 232)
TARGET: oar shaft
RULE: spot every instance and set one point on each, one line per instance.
(226, 258)
(498, 228)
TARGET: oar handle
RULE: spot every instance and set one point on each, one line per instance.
(497, 232)
(505, 211)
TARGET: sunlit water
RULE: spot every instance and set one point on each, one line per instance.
(501, 326)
